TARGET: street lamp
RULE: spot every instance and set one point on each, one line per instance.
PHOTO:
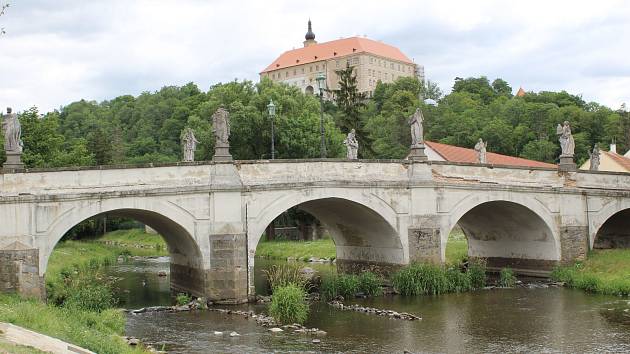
(271, 108)
(321, 83)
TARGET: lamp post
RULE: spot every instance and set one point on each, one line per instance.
(321, 83)
(271, 108)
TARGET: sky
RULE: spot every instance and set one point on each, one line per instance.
(57, 52)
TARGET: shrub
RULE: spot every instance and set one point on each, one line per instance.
(280, 276)
(457, 281)
(507, 278)
(477, 273)
(91, 297)
(182, 299)
(370, 284)
(421, 279)
(288, 304)
(346, 285)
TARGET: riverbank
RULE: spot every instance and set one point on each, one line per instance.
(100, 332)
(604, 271)
(77, 290)
(297, 250)
(456, 249)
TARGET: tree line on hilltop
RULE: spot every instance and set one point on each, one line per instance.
(147, 128)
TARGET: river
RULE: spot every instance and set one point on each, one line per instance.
(519, 320)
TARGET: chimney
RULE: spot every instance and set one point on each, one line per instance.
(613, 148)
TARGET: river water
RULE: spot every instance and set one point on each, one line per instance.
(547, 320)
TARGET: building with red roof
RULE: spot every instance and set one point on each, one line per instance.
(373, 61)
(443, 152)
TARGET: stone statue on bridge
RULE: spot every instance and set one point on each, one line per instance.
(480, 148)
(417, 141)
(12, 131)
(189, 143)
(221, 130)
(352, 145)
(415, 123)
(595, 158)
(567, 144)
(566, 139)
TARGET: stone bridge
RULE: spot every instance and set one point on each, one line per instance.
(381, 214)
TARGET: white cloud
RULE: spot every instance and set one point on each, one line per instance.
(58, 52)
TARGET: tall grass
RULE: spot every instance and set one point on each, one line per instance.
(432, 279)
(289, 305)
(284, 275)
(348, 285)
(507, 278)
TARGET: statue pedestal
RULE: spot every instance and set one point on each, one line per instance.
(417, 153)
(566, 164)
(14, 161)
(222, 153)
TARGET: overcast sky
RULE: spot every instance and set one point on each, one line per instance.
(56, 52)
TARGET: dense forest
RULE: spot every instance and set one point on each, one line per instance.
(147, 128)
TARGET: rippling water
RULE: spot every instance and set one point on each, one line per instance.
(496, 321)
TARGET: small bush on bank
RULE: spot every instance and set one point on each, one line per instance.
(95, 297)
(477, 273)
(182, 299)
(288, 304)
(370, 284)
(507, 278)
(457, 281)
(280, 276)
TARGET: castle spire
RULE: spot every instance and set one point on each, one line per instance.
(310, 36)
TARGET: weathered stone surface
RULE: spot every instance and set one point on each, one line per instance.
(424, 244)
(574, 245)
(19, 271)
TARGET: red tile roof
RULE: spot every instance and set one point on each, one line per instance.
(335, 49)
(459, 154)
(621, 160)
(520, 92)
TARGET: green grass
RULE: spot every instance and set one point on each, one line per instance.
(456, 247)
(507, 278)
(604, 271)
(302, 250)
(99, 332)
(138, 241)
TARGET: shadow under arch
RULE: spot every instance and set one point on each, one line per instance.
(365, 236)
(614, 232)
(508, 233)
(186, 260)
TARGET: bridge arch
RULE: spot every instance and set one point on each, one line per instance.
(610, 227)
(172, 223)
(508, 230)
(363, 227)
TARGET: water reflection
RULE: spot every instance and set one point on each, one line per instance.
(496, 321)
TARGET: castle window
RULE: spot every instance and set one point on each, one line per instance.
(310, 68)
(294, 72)
(302, 70)
(316, 67)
